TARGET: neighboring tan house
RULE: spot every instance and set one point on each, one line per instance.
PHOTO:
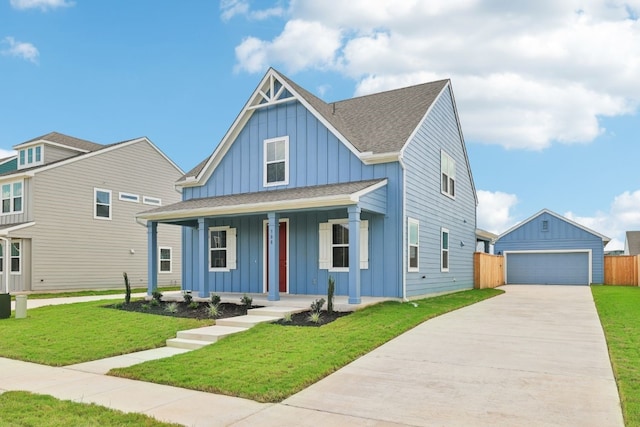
(632, 243)
(375, 192)
(69, 210)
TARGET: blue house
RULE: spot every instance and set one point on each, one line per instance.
(374, 191)
(551, 249)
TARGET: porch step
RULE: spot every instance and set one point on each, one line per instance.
(186, 344)
(246, 321)
(275, 311)
(199, 337)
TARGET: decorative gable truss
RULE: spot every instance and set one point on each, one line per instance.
(272, 92)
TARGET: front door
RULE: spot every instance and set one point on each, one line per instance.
(282, 264)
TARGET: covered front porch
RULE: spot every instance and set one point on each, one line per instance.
(281, 242)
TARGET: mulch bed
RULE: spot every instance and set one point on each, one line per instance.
(226, 310)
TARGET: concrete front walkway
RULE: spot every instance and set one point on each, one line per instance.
(531, 357)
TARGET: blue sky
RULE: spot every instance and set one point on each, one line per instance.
(548, 92)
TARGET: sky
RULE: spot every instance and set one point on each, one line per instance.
(548, 91)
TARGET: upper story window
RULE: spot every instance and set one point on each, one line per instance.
(276, 161)
(30, 156)
(448, 174)
(128, 197)
(151, 201)
(12, 197)
(101, 203)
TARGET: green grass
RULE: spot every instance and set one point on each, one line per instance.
(46, 295)
(73, 333)
(269, 362)
(19, 408)
(619, 311)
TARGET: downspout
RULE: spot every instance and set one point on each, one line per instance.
(5, 261)
(402, 227)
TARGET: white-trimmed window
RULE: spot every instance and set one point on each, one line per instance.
(448, 174)
(1, 258)
(154, 201)
(444, 249)
(12, 197)
(222, 248)
(101, 203)
(334, 245)
(414, 244)
(15, 257)
(128, 197)
(164, 260)
(30, 156)
(276, 161)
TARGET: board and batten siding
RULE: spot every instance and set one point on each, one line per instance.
(559, 235)
(434, 210)
(316, 157)
(71, 249)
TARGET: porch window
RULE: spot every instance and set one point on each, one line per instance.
(102, 204)
(15, 257)
(222, 248)
(276, 161)
(444, 245)
(165, 260)
(414, 244)
(334, 245)
(12, 197)
(448, 173)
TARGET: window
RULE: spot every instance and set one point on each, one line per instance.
(444, 245)
(12, 197)
(151, 201)
(334, 245)
(30, 156)
(15, 257)
(21, 158)
(1, 258)
(165, 260)
(222, 248)
(38, 154)
(276, 159)
(414, 244)
(545, 225)
(127, 197)
(102, 204)
(448, 173)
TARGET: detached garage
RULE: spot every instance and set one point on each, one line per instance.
(549, 249)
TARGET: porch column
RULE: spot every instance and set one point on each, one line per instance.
(273, 247)
(152, 256)
(354, 254)
(203, 257)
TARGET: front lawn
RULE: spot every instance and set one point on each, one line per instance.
(269, 362)
(619, 311)
(19, 408)
(72, 333)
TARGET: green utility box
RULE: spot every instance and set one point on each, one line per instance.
(5, 306)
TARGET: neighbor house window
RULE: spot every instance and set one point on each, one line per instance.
(151, 201)
(414, 244)
(31, 156)
(334, 245)
(15, 257)
(444, 249)
(276, 161)
(102, 204)
(545, 225)
(1, 258)
(165, 260)
(12, 197)
(222, 248)
(448, 174)
(128, 197)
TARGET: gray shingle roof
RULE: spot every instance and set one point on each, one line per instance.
(67, 140)
(633, 242)
(264, 197)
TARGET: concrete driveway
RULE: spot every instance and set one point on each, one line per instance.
(534, 356)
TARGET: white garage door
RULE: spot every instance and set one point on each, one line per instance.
(548, 268)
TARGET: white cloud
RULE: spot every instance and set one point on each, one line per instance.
(231, 8)
(40, 4)
(6, 153)
(525, 74)
(494, 211)
(20, 49)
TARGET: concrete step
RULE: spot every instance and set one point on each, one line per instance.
(187, 344)
(246, 321)
(209, 333)
(275, 311)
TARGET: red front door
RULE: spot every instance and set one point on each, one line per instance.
(282, 264)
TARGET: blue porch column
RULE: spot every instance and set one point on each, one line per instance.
(274, 256)
(354, 254)
(152, 256)
(203, 257)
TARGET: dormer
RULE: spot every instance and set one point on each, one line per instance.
(30, 156)
(50, 148)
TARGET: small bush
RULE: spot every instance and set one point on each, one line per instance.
(213, 310)
(194, 305)
(246, 300)
(286, 318)
(316, 306)
(145, 307)
(171, 308)
(157, 295)
(119, 305)
(154, 303)
(187, 298)
(315, 317)
(215, 299)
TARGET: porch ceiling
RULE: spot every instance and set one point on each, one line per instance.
(321, 196)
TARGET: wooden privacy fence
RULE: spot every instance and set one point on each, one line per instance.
(621, 270)
(488, 270)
